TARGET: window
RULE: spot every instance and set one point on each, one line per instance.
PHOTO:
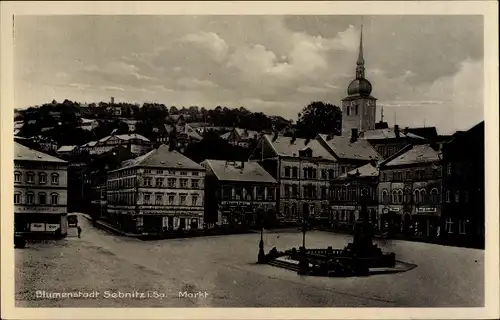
(17, 198)
(17, 176)
(260, 193)
(416, 196)
(324, 174)
(159, 199)
(195, 173)
(408, 175)
(270, 193)
(30, 198)
(30, 177)
(294, 210)
(287, 171)
(171, 182)
(287, 190)
(54, 199)
(457, 196)
(194, 200)
(395, 196)
(400, 196)
(323, 192)
(286, 209)
(147, 182)
(314, 173)
(462, 227)
(434, 196)
(171, 199)
(295, 191)
(147, 198)
(194, 184)
(331, 174)
(348, 110)
(295, 172)
(385, 196)
(159, 171)
(184, 183)
(449, 225)
(42, 198)
(159, 182)
(184, 173)
(448, 195)
(55, 178)
(182, 199)
(448, 168)
(423, 195)
(357, 109)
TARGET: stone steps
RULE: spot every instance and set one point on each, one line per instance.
(284, 265)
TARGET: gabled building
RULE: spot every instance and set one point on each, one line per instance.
(40, 192)
(235, 193)
(390, 140)
(138, 143)
(158, 192)
(345, 196)
(241, 137)
(182, 133)
(67, 150)
(410, 192)
(302, 168)
(464, 188)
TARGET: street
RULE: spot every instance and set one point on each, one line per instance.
(222, 270)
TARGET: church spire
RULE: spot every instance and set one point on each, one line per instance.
(360, 69)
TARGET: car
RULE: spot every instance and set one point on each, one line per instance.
(19, 241)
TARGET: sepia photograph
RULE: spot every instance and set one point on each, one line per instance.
(232, 160)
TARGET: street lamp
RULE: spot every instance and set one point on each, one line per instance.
(261, 256)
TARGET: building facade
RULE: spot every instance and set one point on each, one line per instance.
(242, 137)
(40, 192)
(463, 188)
(410, 192)
(237, 192)
(302, 168)
(138, 144)
(158, 192)
(345, 196)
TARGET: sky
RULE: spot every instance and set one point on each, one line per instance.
(425, 70)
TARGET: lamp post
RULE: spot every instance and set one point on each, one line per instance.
(261, 257)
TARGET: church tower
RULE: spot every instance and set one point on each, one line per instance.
(359, 107)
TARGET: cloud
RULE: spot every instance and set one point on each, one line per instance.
(193, 83)
(211, 41)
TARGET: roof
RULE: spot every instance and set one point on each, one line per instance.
(283, 146)
(131, 136)
(184, 129)
(162, 158)
(416, 154)
(251, 134)
(84, 120)
(66, 148)
(387, 133)
(368, 170)
(426, 132)
(24, 153)
(233, 171)
(225, 136)
(344, 149)
(89, 144)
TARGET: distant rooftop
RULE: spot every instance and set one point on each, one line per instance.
(368, 170)
(290, 147)
(345, 149)
(417, 154)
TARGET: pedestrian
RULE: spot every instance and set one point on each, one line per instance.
(79, 229)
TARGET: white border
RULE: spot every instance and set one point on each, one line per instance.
(489, 9)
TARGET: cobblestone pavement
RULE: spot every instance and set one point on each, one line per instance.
(224, 267)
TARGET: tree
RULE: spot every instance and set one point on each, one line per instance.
(319, 117)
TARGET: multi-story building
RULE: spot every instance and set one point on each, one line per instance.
(409, 191)
(158, 192)
(463, 188)
(138, 144)
(181, 134)
(241, 137)
(236, 192)
(302, 168)
(389, 141)
(345, 196)
(40, 192)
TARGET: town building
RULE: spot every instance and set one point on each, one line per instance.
(241, 137)
(236, 192)
(464, 188)
(345, 196)
(40, 192)
(302, 168)
(67, 150)
(409, 190)
(389, 141)
(88, 124)
(138, 143)
(182, 134)
(359, 107)
(158, 192)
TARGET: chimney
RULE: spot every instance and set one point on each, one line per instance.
(373, 162)
(396, 130)
(293, 139)
(329, 137)
(275, 137)
(354, 135)
(242, 165)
